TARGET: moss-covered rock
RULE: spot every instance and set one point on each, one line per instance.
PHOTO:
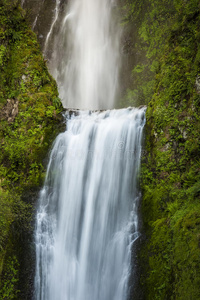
(30, 118)
(170, 169)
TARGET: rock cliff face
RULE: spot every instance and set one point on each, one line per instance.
(29, 121)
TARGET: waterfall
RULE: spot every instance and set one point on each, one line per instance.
(87, 217)
(87, 220)
(84, 57)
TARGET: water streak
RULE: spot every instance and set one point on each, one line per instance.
(55, 19)
(87, 218)
(35, 22)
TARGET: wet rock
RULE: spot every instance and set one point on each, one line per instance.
(197, 83)
(10, 110)
(184, 134)
(24, 78)
(142, 106)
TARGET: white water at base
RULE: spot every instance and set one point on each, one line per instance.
(87, 218)
(85, 53)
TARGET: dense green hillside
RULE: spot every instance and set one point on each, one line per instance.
(29, 121)
(170, 84)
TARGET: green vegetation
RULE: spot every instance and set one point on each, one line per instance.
(168, 81)
(29, 121)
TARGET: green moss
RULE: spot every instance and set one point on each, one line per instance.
(170, 170)
(30, 118)
(8, 290)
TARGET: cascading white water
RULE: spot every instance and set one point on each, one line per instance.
(85, 53)
(87, 216)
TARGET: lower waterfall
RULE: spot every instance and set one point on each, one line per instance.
(87, 218)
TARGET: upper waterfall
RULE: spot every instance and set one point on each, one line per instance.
(84, 56)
